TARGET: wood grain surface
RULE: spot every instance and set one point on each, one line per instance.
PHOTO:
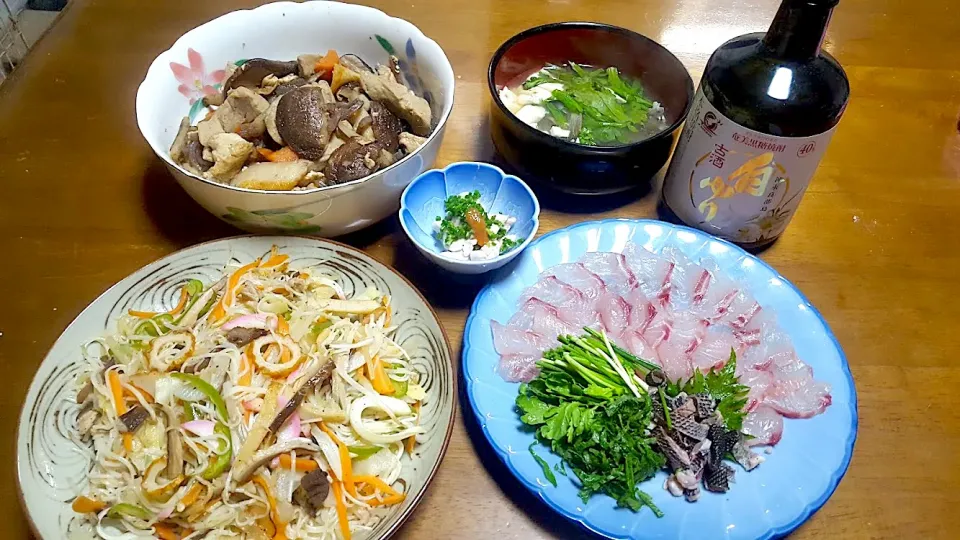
(84, 202)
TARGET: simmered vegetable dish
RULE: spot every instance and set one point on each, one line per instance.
(311, 122)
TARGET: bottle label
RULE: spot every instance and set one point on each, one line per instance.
(737, 183)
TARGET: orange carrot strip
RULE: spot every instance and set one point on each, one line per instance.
(182, 304)
(378, 377)
(220, 310)
(192, 495)
(86, 505)
(326, 63)
(274, 515)
(282, 155)
(142, 314)
(282, 327)
(393, 496)
(301, 464)
(275, 260)
(341, 510)
(345, 462)
(410, 441)
(166, 532)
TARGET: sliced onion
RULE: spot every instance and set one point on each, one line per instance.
(200, 428)
(168, 388)
(329, 450)
(255, 320)
(373, 430)
(356, 360)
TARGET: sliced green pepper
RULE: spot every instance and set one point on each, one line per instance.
(193, 287)
(363, 452)
(148, 327)
(316, 328)
(399, 388)
(126, 509)
(219, 465)
(208, 390)
(188, 411)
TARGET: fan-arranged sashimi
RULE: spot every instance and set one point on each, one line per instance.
(673, 312)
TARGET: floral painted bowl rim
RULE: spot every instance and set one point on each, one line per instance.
(402, 517)
(161, 59)
(564, 145)
(535, 218)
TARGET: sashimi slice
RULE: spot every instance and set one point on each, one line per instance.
(652, 270)
(759, 382)
(644, 310)
(614, 313)
(736, 311)
(714, 350)
(557, 293)
(687, 331)
(613, 270)
(675, 360)
(633, 341)
(684, 281)
(577, 276)
(518, 367)
(798, 396)
(545, 321)
(765, 425)
(510, 340)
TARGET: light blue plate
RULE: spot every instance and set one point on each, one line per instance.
(769, 502)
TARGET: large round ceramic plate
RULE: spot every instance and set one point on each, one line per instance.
(796, 479)
(51, 470)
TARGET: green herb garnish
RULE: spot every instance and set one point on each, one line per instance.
(722, 385)
(547, 473)
(611, 108)
(454, 226)
(587, 413)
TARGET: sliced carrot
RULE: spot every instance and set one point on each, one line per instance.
(274, 261)
(282, 155)
(392, 495)
(301, 464)
(345, 462)
(378, 377)
(220, 310)
(341, 510)
(184, 296)
(86, 505)
(166, 532)
(192, 495)
(116, 391)
(142, 314)
(282, 327)
(410, 441)
(324, 66)
(274, 515)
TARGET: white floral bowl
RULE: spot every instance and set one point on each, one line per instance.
(192, 68)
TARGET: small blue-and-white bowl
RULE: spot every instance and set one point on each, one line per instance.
(500, 193)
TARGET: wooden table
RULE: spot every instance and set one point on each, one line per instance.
(84, 202)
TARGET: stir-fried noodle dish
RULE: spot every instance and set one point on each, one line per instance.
(264, 405)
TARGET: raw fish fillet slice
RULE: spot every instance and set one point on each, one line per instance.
(575, 275)
(765, 425)
(652, 271)
(643, 312)
(686, 280)
(613, 270)
(675, 360)
(633, 341)
(759, 382)
(511, 340)
(544, 320)
(518, 367)
(556, 293)
(614, 312)
(736, 311)
(798, 395)
(714, 350)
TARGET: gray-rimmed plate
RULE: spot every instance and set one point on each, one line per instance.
(50, 468)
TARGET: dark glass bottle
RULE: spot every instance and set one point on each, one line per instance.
(764, 113)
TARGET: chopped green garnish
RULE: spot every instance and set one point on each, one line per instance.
(722, 385)
(547, 473)
(454, 226)
(612, 108)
